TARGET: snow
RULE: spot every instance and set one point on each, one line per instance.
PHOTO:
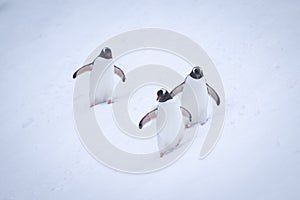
(255, 47)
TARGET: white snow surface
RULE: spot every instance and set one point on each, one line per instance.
(255, 46)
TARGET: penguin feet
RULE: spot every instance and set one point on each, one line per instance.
(188, 125)
(203, 122)
(161, 154)
(109, 101)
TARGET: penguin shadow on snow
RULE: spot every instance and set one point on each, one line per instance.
(105, 93)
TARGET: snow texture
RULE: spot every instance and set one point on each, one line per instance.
(255, 46)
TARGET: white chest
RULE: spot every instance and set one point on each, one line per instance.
(101, 82)
(169, 122)
(195, 98)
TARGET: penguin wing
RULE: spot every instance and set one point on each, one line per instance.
(83, 69)
(186, 113)
(177, 89)
(150, 115)
(213, 94)
(120, 73)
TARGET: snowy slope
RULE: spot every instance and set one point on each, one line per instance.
(255, 47)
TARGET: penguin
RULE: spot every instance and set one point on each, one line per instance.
(168, 114)
(104, 91)
(195, 85)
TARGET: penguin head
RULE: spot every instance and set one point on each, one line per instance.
(163, 95)
(196, 73)
(105, 53)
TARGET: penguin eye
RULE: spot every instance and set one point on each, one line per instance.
(159, 93)
(196, 70)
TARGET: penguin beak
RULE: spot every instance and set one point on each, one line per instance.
(158, 98)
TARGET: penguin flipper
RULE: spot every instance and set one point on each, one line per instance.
(83, 69)
(213, 94)
(150, 115)
(177, 89)
(120, 73)
(186, 113)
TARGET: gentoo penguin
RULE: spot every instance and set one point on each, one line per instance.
(104, 91)
(195, 93)
(169, 121)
